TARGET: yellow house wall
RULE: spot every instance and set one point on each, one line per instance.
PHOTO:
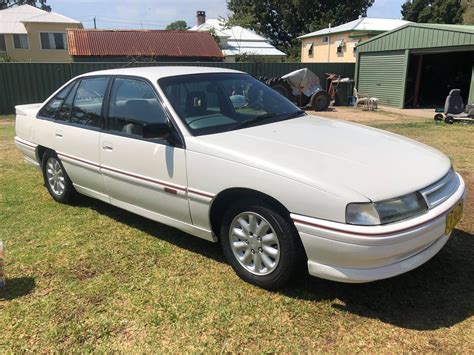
(327, 52)
(35, 53)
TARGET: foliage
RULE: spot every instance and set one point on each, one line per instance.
(41, 4)
(6, 59)
(468, 14)
(214, 35)
(282, 21)
(178, 25)
(433, 11)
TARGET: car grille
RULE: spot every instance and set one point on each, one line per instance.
(441, 190)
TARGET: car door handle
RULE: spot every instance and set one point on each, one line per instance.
(59, 134)
(107, 147)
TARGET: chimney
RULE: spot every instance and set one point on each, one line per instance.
(200, 17)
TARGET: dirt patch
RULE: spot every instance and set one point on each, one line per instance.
(359, 115)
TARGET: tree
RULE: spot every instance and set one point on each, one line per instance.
(468, 14)
(433, 11)
(177, 25)
(282, 21)
(41, 4)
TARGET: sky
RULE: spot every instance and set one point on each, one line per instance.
(156, 14)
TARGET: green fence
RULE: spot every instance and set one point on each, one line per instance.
(22, 83)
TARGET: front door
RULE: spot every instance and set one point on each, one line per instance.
(146, 176)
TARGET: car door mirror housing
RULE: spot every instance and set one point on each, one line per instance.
(156, 131)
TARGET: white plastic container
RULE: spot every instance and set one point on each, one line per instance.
(2, 275)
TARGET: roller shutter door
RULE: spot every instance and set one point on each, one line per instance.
(382, 75)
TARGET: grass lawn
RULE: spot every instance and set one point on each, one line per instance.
(93, 277)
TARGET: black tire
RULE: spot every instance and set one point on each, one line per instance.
(281, 86)
(438, 117)
(449, 120)
(301, 100)
(69, 192)
(291, 252)
(320, 101)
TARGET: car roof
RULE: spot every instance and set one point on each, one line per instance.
(154, 73)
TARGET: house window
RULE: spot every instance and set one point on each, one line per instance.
(309, 48)
(53, 40)
(20, 41)
(339, 45)
(325, 39)
(3, 47)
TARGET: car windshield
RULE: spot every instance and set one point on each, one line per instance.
(220, 102)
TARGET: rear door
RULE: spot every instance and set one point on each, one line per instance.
(77, 135)
(146, 176)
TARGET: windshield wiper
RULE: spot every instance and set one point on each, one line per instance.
(258, 119)
(248, 122)
(295, 114)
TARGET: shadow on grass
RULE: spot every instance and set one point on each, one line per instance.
(155, 229)
(438, 294)
(17, 287)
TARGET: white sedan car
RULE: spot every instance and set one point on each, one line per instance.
(218, 154)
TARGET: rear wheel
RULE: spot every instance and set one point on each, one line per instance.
(438, 117)
(55, 178)
(320, 101)
(449, 120)
(260, 244)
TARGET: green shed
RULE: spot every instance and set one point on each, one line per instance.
(416, 65)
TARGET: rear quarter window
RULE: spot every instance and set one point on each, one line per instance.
(53, 106)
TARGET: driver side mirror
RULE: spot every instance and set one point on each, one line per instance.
(156, 131)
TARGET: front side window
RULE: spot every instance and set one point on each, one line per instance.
(87, 107)
(3, 47)
(52, 107)
(53, 40)
(20, 41)
(133, 104)
(219, 102)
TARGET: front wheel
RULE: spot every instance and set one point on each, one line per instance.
(260, 244)
(320, 101)
(56, 180)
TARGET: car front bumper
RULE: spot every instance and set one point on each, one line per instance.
(349, 253)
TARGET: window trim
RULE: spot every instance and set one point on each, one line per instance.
(325, 39)
(4, 42)
(53, 49)
(27, 41)
(181, 142)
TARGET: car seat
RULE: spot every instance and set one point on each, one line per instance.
(454, 103)
(196, 103)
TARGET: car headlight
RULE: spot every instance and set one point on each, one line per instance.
(388, 211)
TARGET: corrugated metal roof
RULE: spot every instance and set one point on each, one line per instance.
(152, 43)
(419, 36)
(239, 40)
(361, 24)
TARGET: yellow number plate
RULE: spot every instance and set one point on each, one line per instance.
(453, 218)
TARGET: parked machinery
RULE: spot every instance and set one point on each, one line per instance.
(454, 109)
(302, 87)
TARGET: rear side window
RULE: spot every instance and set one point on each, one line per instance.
(52, 107)
(87, 107)
(133, 104)
(64, 113)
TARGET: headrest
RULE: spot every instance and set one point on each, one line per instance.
(455, 92)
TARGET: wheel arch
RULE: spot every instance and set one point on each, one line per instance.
(40, 150)
(223, 198)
